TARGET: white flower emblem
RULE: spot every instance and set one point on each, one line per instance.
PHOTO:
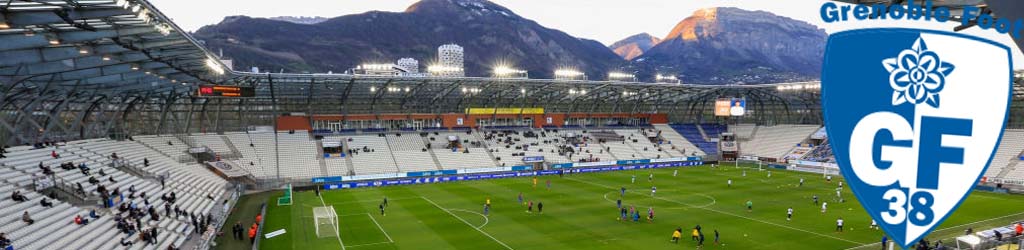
(917, 75)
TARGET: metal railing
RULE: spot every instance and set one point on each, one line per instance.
(184, 138)
(259, 229)
(127, 166)
(221, 218)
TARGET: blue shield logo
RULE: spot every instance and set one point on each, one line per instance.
(914, 118)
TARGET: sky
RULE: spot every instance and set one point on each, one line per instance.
(606, 21)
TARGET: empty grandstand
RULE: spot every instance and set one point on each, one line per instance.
(117, 147)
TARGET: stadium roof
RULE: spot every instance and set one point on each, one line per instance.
(68, 68)
(376, 94)
(98, 45)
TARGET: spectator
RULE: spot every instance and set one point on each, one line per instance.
(126, 242)
(47, 170)
(102, 173)
(145, 162)
(153, 235)
(237, 230)
(4, 241)
(252, 233)
(93, 214)
(81, 221)
(27, 219)
(45, 203)
(1019, 229)
(53, 153)
(83, 168)
(144, 236)
(101, 189)
(16, 196)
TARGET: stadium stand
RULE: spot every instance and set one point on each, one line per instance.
(1004, 165)
(797, 153)
(299, 151)
(113, 70)
(469, 156)
(743, 131)
(212, 141)
(675, 140)
(712, 130)
(412, 150)
(776, 141)
(588, 148)
(168, 145)
(253, 158)
(370, 154)
(621, 150)
(692, 133)
(821, 153)
(196, 191)
(642, 144)
(511, 146)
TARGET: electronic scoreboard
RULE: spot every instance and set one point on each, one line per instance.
(225, 91)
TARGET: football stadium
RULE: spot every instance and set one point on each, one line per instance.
(123, 131)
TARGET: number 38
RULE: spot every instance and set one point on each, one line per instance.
(920, 208)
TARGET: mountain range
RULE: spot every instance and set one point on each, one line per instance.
(735, 46)
(634, 46)
(300, 19)
(490, 34)
(712, 46)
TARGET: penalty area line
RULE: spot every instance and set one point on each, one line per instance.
(381, 228)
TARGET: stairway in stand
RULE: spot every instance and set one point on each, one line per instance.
(486, 149)
(320, 157)
(348, 158)
(432, 155)
(231, 146)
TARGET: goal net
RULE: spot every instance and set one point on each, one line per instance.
(286, 200)
(325, 221)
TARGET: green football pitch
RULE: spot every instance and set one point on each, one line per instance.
(580, 213)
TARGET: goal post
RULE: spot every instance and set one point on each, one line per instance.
(325, 221)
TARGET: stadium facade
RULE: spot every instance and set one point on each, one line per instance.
(117, 76)
(121, 68)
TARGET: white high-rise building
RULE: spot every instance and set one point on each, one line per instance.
(450, 61)
(410, 65)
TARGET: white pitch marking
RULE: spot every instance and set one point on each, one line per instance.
(370, 244)
(337, 228)
(726, 213)
(381, 228)
(467, 223)
(486, 220)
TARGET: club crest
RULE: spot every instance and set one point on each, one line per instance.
(914, 118)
